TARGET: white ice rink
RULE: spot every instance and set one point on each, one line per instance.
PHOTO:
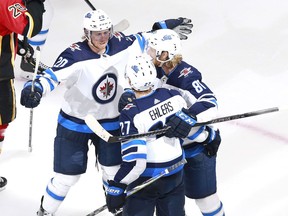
(241, 48)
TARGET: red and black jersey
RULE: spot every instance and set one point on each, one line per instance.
(16, 18)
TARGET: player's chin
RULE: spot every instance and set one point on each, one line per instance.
(102, 44)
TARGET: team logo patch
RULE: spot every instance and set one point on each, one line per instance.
(104, 91)
(117, 35)
(185, 72)
(128, 106)
(74, 47)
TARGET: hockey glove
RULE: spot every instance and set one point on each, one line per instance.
(115, 197)
(28, 1)
(181, 25)
(35, 7)
(29, 98)
(212, 142)
(25, 49)
(181, 124)
(127, 97)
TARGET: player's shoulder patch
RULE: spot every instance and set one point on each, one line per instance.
(74, 47)
(185, 72)
(129, 106)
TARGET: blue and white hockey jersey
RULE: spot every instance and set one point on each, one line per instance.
(200, 99)
(147, 157)
(94, 82)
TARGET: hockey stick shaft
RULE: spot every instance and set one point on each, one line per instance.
(32, 89)
(105, 135)
(243, 115)
(90, 4)
(144, 184)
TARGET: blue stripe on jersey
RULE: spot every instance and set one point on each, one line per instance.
(51, 74)
(141, 41)
(133, 157)
(110, 126)
(79, 125)
(51, 85)
(83, 128)
(214, 101)
(132, 143)
(200, 130)
(192, 152)
(153, 169)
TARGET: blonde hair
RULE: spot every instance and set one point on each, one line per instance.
(174, 62)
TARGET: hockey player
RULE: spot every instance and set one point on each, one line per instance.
(27, 61)
(164, 47)
(143, 158)
(93, 71)
(17, 17)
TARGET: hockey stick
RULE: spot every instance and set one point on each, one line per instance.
(143, 185)
(95, 126)
(119, 27)
(32, 89)
(90, 4)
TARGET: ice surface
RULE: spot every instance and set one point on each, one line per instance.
(241, 49)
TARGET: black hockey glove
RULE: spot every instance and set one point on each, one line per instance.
(127, 97)
(181, 25)
(115, 197)
(28, 1)
(24, 49)
(212, 142)
(29, 98)
(35, 6)
(181, 124)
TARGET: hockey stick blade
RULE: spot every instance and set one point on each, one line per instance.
(96, 127)
(143, 184)
(121, 26)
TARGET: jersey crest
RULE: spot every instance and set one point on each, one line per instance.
(104, 91)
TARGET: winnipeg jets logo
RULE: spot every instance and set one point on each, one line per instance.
(104, 90)
(185, 72)
(74, 47)
(107, 88)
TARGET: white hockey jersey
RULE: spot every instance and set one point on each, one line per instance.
(94, 82)
(147, 157)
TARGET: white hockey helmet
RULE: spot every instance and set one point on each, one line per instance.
(165, 40)
(97, 20)
(141, 72)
